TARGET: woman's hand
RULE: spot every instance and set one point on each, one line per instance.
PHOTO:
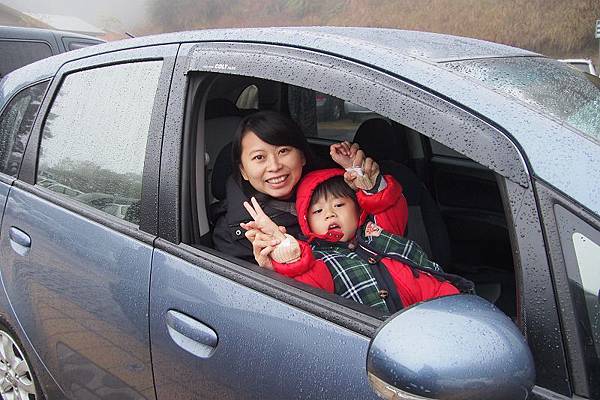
(262, 247)
(269, 241)
(262, 222)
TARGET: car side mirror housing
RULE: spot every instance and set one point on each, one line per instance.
(449, 348)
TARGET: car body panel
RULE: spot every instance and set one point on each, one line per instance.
(305, 356)
(87, 305)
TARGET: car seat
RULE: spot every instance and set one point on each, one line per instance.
(388, 146)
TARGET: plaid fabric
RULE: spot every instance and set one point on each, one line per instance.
(395, 246)
(352, 276)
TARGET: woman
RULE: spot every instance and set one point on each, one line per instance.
(270, 155)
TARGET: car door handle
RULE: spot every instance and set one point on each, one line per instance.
(191, 335)
(19, 240)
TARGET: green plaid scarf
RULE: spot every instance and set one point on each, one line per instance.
(353, 276)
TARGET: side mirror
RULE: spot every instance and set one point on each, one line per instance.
(454, 347)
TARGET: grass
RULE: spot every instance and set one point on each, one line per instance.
(553, 27)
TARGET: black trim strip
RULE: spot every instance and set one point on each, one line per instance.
(345, 313)
(122, 226)
(7, 179)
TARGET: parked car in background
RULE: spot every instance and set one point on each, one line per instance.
(20, 46)
(497, 150)
(328, 107)
(582, 64)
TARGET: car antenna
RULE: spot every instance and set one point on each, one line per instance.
(130, 35)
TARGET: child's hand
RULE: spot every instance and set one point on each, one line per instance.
(343, 153)
(269, 241)
(364, 172)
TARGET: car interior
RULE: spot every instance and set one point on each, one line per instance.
(456, 212)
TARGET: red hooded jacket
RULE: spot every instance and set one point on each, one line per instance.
(390, 212)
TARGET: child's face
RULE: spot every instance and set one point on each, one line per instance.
(334, 213)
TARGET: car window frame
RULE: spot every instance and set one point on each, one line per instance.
(222, 57)
(147, 229)
(8, 179)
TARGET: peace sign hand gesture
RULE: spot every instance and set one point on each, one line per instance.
(286, 251)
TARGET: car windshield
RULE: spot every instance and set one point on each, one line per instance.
(547, 85)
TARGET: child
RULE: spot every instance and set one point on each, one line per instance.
(351, 251)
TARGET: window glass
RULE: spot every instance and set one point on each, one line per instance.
(438, 149)
(15, 126)
(248, 99)
(334, 118)
(587, 254)
(94, 138)
(580, 243)
(17, 53)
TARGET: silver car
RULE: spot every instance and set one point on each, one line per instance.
(498, 153)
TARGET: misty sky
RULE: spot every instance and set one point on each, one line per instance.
(118, 14)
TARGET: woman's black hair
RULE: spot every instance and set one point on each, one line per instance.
(336, 187)
(273, 128)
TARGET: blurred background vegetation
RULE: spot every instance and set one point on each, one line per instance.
(553, 27)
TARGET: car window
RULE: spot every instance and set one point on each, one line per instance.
(94, 137)
(548, 85)
(580, 243)
(17, 53)
(248, 99)
(15, 126)
(336, 119)
(587, 253)
(75, 44)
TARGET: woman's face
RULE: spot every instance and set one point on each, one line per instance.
(273, 170)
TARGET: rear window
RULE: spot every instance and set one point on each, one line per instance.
(547, 85)
(17, 53)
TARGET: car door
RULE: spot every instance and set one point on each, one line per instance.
(78, 277)
(223, 328)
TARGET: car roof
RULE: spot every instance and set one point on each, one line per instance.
(20, 32)
(554, 152)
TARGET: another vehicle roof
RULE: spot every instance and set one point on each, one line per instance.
(25, 33)
(556, 153)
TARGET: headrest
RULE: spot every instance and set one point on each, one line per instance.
(216, 108)
(222, 169)
(380, 141)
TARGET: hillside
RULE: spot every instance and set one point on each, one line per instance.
(553, 27)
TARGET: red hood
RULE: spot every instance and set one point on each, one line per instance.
(306, 188)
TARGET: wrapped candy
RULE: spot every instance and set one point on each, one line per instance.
(362, 181)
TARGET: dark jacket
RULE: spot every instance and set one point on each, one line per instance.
(228, 236)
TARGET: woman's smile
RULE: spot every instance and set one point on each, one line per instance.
(272, 170)
(277, 180)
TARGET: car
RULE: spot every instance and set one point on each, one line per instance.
(498, 153)
(329, 107)
(582, 64)
(20, 46)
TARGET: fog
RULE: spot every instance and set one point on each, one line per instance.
(115, 15)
